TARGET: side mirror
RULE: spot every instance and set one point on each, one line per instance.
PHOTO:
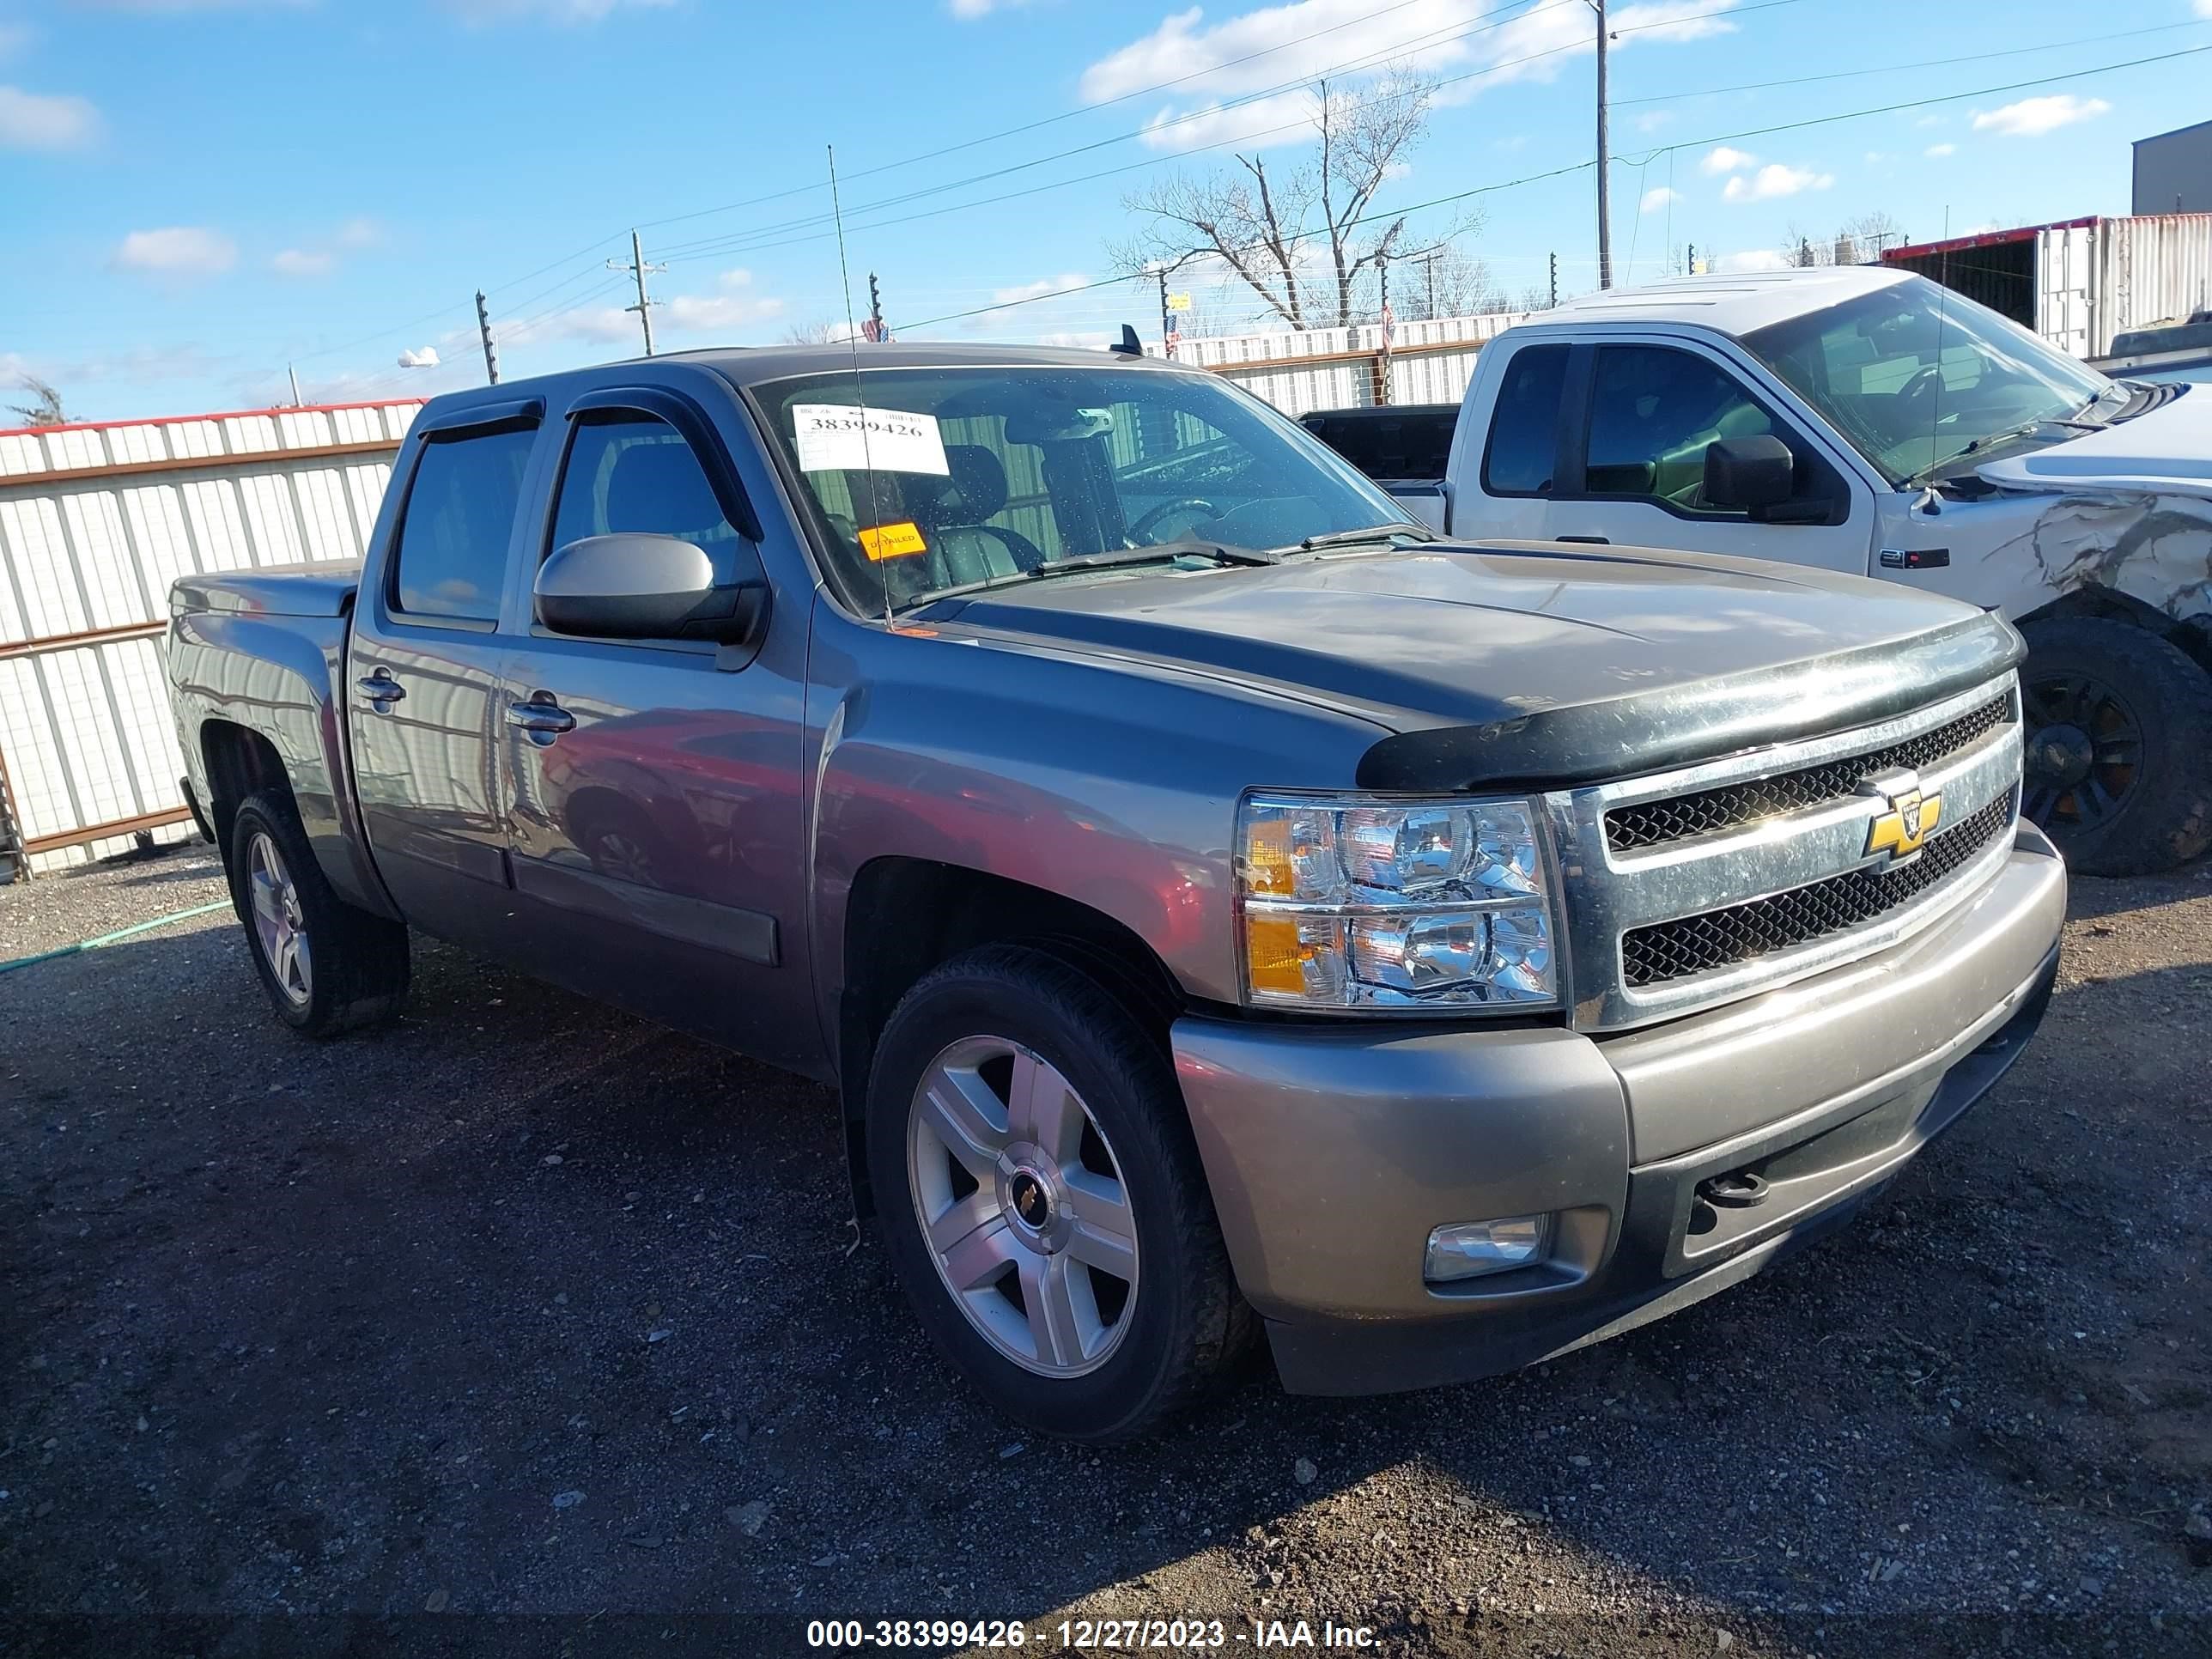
(646, 587)
(1749, 474)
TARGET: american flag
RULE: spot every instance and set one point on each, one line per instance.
(1389, 326)
(1175, 338)
(875, 330)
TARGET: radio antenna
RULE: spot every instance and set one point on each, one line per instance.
(852, 345)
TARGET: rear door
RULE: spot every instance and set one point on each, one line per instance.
(422, 670)
(654, 787)
(1638, 418)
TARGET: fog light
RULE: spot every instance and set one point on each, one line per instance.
(1467, 1250)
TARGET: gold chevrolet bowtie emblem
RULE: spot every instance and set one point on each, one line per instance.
(1905, 828)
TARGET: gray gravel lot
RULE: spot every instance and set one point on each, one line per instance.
(576, 1323)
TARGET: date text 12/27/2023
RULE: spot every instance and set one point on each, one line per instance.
(1089, 1635)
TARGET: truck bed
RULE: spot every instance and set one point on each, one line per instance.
(324, 589)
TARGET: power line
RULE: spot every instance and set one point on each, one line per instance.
(1554, 173)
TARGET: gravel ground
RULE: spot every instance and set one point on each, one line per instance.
(525, 1308)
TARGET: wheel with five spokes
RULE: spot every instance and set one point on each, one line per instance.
(1042, 1197)
(327, 966)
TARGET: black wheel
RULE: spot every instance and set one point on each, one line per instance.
(327, 967)
(1042, 1197)
(2118, 733)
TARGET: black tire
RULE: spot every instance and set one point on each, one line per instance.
(1186, 1322)
(356, 963)
(2118, 732)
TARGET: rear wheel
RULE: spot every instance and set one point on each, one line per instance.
(327, 966)
(1042, 1197)
(2118, 763)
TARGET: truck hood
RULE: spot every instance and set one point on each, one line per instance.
(1525, 661)
(2166, 452)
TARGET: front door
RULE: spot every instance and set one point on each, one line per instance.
(1634, 463)
(655, 802)
(421, 677)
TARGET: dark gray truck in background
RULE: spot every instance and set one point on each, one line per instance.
(1212, 896)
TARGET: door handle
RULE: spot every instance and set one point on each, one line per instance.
(1591, 541)
(380, 691)
(542, 718)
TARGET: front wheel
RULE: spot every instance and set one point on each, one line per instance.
(326, 966)
(2118, 745)
(1042, 1197)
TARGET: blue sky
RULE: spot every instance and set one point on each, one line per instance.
(194, 193)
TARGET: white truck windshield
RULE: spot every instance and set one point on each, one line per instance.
(1918, 378)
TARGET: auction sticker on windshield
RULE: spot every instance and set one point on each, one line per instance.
(842, 438)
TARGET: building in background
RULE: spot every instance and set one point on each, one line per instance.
(2173, 170)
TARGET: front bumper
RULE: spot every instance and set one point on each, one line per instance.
(1333, 1151)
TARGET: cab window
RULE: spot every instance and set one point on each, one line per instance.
(450, 557)
(1653, 411)
(635, 474)
(1524, 428)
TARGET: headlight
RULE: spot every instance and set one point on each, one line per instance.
(1363, 904)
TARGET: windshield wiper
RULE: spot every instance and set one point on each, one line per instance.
(1367, 534)
(1112, 558)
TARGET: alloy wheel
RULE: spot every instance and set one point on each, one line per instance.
(279, 928)
(2084, 749)
(1022, 1206)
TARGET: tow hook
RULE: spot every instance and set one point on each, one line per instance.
(1739, 1189)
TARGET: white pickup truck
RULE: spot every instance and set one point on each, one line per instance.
(1863, 419)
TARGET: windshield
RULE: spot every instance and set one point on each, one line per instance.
(956, 476)
(1916, 377)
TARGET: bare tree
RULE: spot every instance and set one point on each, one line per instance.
(45, 408)
(820, 331)
(1857, 240)
(1450, 282)
(1300, 237)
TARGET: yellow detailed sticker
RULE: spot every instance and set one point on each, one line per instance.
(892, 541)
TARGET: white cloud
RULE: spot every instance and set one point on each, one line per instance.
(1656, 199)
(34, 120)
(1774, 180)
(2204, 8)
(1083, 339)
(1929, 121)
(419, 357)
(1937, 152)
(2031, 117)
(1652, 120)
(968, 10)
(732, 305)
(1247, 53)
(177, 251)
(1757, 258)
(304, 262)
(567, 12)
(1039, 288)
(1724, 160)
(360, 232)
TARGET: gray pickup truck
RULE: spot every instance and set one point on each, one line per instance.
(1221, 906)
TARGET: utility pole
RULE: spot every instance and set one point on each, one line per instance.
(1604, 162)
(297, 401)
(1689, 263)
(1428, 263)
(1167, 323)
(1555, 282)
(484, 333)
(1382, 362)
(874, 332)
(638, 268)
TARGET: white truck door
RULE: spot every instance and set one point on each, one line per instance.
(1638, 418)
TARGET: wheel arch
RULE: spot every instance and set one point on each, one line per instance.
(2190, 635)
(239, 761)
(907, 915)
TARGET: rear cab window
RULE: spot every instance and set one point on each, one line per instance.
(449, 559)
(1522, 450)
(1412, 443)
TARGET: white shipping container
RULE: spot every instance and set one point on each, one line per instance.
(2079, 283)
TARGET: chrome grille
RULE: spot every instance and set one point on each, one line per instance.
(1651, 824)
(1770, 884)
(1744, 932)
